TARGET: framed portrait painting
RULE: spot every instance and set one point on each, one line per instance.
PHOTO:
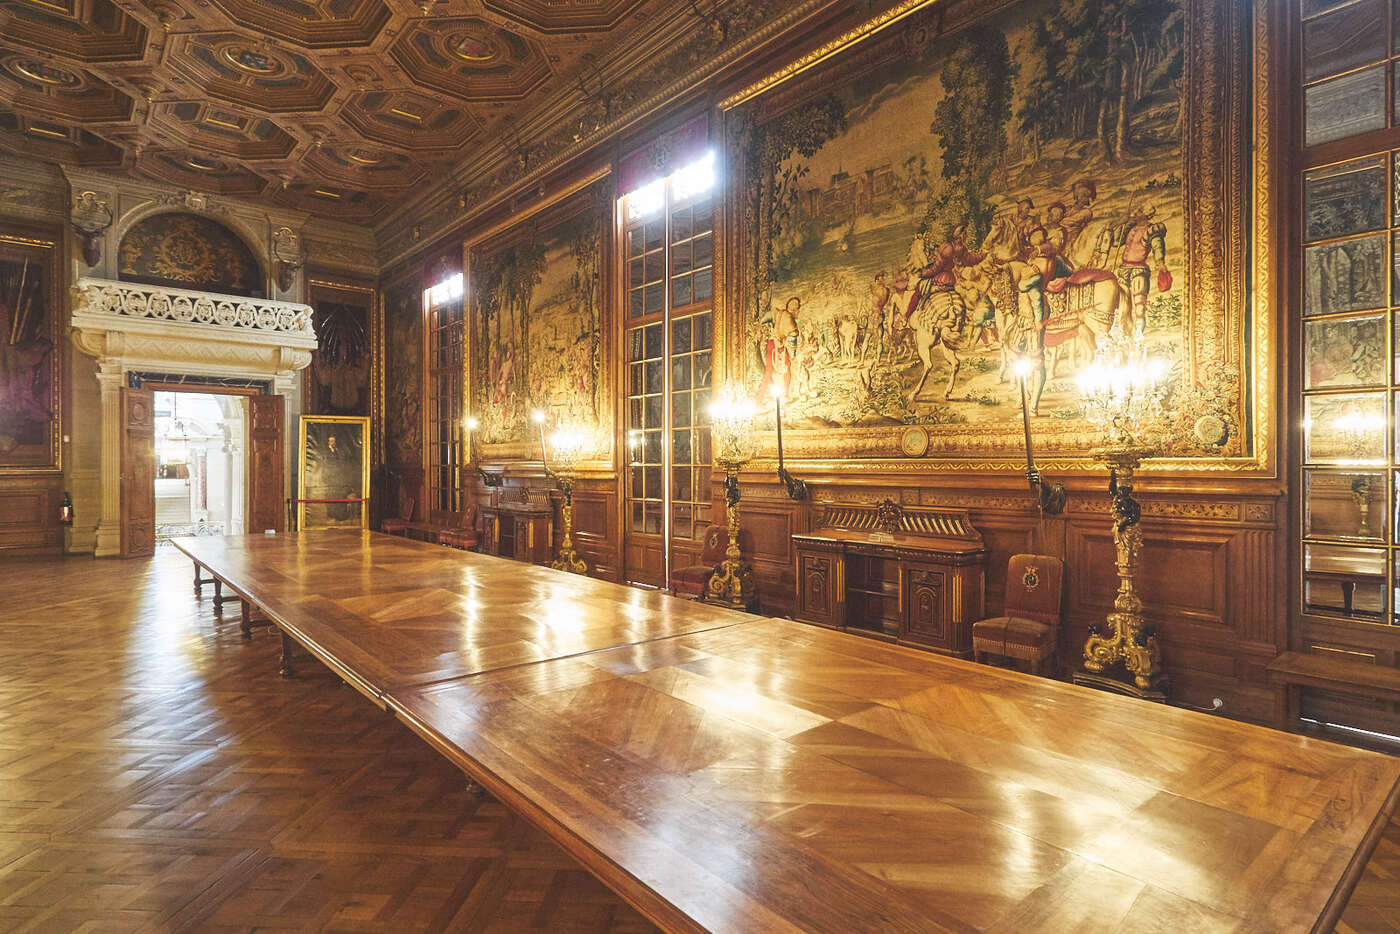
(333, 472)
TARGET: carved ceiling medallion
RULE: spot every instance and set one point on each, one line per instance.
(34, 72)
(244, 58)
(473, 47)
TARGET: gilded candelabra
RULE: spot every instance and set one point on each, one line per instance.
(566, 448)
(1121, 393)
(731, 428)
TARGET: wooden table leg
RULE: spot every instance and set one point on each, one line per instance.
(285, 668)
(246, 623)
(219, 597)
(197, 582)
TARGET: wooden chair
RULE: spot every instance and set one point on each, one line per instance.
(398, 524)
(690, 582)
(464, 535)
(1030, 629)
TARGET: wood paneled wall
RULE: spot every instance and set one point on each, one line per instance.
(1212, 577)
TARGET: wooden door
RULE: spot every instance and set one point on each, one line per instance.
(265, 459)
(138, 474)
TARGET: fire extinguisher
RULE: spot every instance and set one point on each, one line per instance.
(65, 509)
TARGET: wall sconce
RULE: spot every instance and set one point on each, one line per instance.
(796, 488)
(90, 218)
(286, 250)
(1050, 497)
(487, 479)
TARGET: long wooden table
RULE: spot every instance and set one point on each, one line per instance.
(730, 773)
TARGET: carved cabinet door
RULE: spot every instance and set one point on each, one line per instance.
(138, 475)
(816, 587)
(927, 614)
(265, 496)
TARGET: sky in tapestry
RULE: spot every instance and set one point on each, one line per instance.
(1012, 190)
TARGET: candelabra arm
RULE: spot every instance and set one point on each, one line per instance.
(796, 486)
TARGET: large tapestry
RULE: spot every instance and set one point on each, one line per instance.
(187, 251)
(29, 360)
(992, 184)
(403, 377)
(535, 312)
(338, 379)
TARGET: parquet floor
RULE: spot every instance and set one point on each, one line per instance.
(157, 775)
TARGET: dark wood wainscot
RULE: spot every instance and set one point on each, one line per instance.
(912, 574)
(522, 531)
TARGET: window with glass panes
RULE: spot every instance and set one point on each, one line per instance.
(1349, 374)
(668, 237)
(444, 374)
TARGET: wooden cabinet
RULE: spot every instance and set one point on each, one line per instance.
(523, 531)
(908, 574)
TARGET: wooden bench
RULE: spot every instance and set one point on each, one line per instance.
(1294, 671)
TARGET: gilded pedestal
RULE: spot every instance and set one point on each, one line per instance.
(1127, 637)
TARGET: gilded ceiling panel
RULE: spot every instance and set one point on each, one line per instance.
(335, 107)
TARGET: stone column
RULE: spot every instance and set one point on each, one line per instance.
(109, 531)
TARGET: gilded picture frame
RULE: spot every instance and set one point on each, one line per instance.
(1224, 258)
(333, 461)
(31, 353)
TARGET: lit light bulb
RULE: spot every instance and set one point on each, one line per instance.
(1023, 367)
(472, 423)
(776, 390)
(538, 416)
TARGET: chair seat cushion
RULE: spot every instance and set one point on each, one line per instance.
(691, 580)
(458, 538)
(1014, 636)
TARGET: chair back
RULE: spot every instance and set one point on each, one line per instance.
(405, 503)
(717, 543)
(469, 516)
(1034, 586)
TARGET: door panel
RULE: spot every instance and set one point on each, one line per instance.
(138, 475)
(265, 459)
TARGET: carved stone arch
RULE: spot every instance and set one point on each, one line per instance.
(178, 247)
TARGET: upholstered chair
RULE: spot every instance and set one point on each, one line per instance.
(464, 535)
(690, 582)
(1030, 629)
(398, 524)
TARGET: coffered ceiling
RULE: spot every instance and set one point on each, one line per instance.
(342, 108)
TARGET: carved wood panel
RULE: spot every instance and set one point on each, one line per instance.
(138, 478)
(265, 483)
(926, 607)
(817, 596)
(29, 512)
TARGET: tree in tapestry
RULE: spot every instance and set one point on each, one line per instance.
(960, 202)
(536, 316)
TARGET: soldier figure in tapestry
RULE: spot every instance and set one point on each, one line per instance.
(1011, 191)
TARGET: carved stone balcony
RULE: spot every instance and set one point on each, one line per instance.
(131, 326)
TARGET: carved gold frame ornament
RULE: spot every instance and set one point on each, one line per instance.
(1231, 254)
(526, 454)
(365, 454)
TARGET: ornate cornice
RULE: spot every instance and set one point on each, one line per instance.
(696, 53)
